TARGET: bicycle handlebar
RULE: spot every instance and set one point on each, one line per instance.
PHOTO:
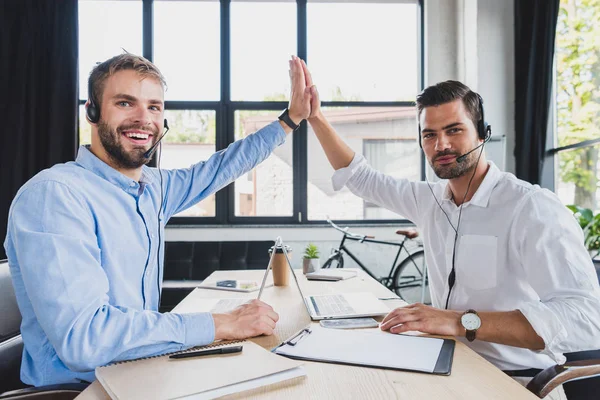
(349, 234)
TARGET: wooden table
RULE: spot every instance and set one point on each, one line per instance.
(472, 376)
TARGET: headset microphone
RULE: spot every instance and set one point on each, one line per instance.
(151, 150)
(487, 139)
(464, 156)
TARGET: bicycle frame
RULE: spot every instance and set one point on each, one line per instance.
(362, 239)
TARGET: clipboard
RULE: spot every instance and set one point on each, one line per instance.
(376, 349)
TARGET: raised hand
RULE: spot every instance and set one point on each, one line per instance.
(315, 102)
(300, 97)
(248, 320)
(426, 319)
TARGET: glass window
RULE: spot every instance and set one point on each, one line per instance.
(577, 101)
(191, 139)
(577, 179)
(263, 38)
(85, 129)
(363, 51)
(267, 190)
(387, 137)
(187, 48)
(106, 29)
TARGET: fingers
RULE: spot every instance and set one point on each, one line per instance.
(307, 75)
(298, 79)
(408, 326)
(398, 316)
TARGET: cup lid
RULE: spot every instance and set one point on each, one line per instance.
(279, 249)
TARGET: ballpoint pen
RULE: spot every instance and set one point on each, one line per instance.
(200, 353)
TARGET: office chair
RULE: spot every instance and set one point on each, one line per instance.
(11, 350)
(580, 377)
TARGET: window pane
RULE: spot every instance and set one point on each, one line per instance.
(85, 129)
(267, 190)
(577, 72)
(187, 48)
(387, 137)
(191, 139)
(363, 51)
(263, 37)
(106, 28)
(577, 177)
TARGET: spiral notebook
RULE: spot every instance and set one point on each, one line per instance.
(198, 377)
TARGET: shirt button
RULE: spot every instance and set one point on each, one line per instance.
(132, 184)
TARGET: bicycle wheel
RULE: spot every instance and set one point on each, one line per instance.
(336, 260)
(409, 277)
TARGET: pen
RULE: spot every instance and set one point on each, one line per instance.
(224, 350)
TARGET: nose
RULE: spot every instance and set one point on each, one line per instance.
(442, 143)
(142, 116)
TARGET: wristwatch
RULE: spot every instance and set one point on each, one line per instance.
(471, 322)
(285, 117)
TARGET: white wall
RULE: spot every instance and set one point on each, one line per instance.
(473, 41)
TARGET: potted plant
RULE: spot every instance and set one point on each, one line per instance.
(310, 261)
(590, 224)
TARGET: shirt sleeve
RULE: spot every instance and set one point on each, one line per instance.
(397, 195)
(186, 187)
(559, 268)
(56, 248)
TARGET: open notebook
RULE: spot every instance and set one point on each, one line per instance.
(203, 377)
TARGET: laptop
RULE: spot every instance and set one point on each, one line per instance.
(319, 307)
(342, 305)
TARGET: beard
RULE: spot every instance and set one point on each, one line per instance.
(111, 141)
(456, 169)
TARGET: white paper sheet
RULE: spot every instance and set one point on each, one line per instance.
(369, 348)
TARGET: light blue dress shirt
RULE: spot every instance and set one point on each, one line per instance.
(82, 247)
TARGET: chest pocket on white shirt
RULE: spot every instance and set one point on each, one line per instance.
(476, 260)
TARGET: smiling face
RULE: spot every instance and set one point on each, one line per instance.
(447, 132)
(132, 112)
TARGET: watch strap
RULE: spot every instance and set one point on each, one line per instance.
(285, 117)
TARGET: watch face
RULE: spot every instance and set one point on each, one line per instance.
(470, 321)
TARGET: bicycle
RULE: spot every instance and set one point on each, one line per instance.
(408, 279)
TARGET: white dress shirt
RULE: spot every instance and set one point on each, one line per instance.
(518, 248)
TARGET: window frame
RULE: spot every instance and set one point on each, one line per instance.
(225, 110)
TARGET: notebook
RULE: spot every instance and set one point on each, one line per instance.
(201, 377)
(372, 348)
(327, 274)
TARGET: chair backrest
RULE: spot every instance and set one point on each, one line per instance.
(11, 345)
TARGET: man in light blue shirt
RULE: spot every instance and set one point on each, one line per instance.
(84, 237)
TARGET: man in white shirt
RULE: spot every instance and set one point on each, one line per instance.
(525, 290)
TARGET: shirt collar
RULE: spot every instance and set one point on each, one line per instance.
(89, 161)
(482, 196)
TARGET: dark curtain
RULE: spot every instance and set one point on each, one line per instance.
(38, 92)
(535, 30)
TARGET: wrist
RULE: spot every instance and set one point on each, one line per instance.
(316, 117)
(221, 321)
(459, 329)
(297, 119)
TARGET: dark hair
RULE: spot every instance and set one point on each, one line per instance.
(125, 61)
(445, 92)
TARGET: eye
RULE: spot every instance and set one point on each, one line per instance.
(155, 108)
(428, 136)
(454, 130)
(124, 103)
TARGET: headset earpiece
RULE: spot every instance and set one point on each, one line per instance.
(92, 111)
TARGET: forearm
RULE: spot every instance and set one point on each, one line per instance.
(508, 327)
(338, 153)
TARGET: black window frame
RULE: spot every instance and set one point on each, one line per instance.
(225, 110)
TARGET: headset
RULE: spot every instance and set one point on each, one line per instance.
(93, 115)
(484, 131)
